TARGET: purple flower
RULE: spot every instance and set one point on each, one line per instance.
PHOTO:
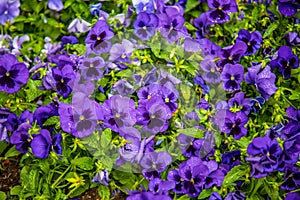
(285, 62)
(190, 177)
(158, 186)
(170, 96)
(221, 10)
(69, 40)
(145, 25)
(239, 101)
(292, 196)
(62, 78)
(123, 87)
(79, 26)
(96, 11)
(154, 163)
(146, 93)
(235, 124)
(41, 144)
(92, 68)
(253, 40)
(21, 138)
(153, 115)
(288, 7)
(231, 158)
(171, 23)
(98, 37)
(118, 112)
(264, 80)
(56, 143)
(232, 54)
(215, 175)
(12, 73)
(42, 113)
(236, 195)
(4, 117)
(209, 49)
(9, 9)
(215, 196)
(211, 73)
(232, 76)
(101, 177)
(291, 179)
(189, 146)
(56, 5)
(202, 23)
(257, 103)
(292, 38)
(143, 6)
(121, 52)
(264, 156)
(147, 196)
(198, 80)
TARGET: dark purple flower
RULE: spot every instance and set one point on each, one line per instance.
(153, 115)
(145, 25)
(12, 73)
(209, 49)
(146, 93)
(92, 68)
(9, 9)
(221, 10)
(215, 175)
(292, 38)
(170, 96)
(198, 80)
(232, 54)
(42, 113)
(253, 40)
(239, 101)
(21, 138)
(291, 179)
(118, 112)
(263, 79)
(189, 146)
(41, 144)
(215, 196)
(288, 7)
(293, 127)
(231, 158)
(63, 79)
(98, 37)
(158, 186)
(211, 73)
(96, 11)
(69, 40)
(4, 120)
(235, 124)
(285, 62)
(292, 196)
(154, 163)
(264, 156)
(236, 195)
(147, 196)
(56, 143)
(202, 23)
(171, 23)
(101, 177)
(257, 103)
(232, 76)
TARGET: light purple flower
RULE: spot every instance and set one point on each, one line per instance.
(9, 9)
(56, 5)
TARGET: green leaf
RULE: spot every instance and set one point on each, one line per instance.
(193, 132)
(105, 138)
(3, 146)
(205, 193)
(271, 28)
(184, 197)
(272, 191)
(2, 195)
(191, 4)
(126, 73)
(51, 121)
(85, 163)
(104, 192)
(234, 175)
(33, 92)
(12, 152)
(16, 190)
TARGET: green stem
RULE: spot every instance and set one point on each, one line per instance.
(60, 177)
(75, 188)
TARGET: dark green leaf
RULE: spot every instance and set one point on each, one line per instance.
(234, 175)
(271, 28)
(12, 152)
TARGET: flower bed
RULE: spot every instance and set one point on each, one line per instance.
(149, 99)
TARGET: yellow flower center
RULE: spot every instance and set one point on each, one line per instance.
(149, 97)
(232, 78)
(268, 154)
(153, 117)
(62, 80)
(212, 70)
(230, 58)
(249, 44)
(171, 28)
(154, 166)
(123, 56)
(98, 38)
(81, 118)
(7, 74)
(192, 181)
(91, 65)
(145, 8)
(167, 100)
(144, 28)
(220, 8)
(117, 115)
(6, 12)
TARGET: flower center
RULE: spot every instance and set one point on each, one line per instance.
(230, 58)
(118, 115)
(62, 80)
(171, 28)
(256, 104)
(154, 166)
(145, 8)
(6, 12)
(81, 118)
(144, 27)
(123, 56)
(268, 154)
(167, 100)
(149, 97)
(249, 44)
(212, 70)
(7, 74)
(152, 116)
(181, 179)
(98, 38)
(91, 65)
(28, 140)
(232, 78)
(192, 181)
(220, 8)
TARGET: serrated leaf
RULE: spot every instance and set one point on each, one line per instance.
(85, 163)
(234, 175)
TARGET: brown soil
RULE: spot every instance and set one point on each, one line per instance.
(9, 176)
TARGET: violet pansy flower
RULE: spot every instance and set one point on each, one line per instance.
(13, 74)
(9, 9)
(92, 68)
(232, 54)
(145, 25)
(232, 76)
(221, 10)
(239, 101)
(56, 5)
(288, 7)
(62, 78)
(235, 124)
(253, 40)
